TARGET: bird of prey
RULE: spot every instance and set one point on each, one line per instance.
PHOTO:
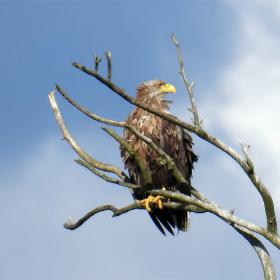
(173, 140)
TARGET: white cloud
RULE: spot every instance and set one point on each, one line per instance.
(248, 91)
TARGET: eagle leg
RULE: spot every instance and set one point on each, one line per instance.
(152, 202)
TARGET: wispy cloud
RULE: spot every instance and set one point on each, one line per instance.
(245, 100)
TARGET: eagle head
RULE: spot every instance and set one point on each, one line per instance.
(154, 92)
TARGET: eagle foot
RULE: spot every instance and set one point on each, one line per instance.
(152, 202)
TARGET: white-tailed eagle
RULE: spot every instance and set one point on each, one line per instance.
(173, 140)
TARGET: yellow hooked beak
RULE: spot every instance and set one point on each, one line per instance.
(167, 88)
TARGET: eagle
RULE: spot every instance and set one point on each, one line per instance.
(173, 140)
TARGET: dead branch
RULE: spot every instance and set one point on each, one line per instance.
(84, 155)
(150, 143)
(189, 85)
(195, 205)
(73, 225)
(105, 177)
(221, 213)
(86, 111)
(199, 203)
(261, 251)
(266, 262)
(70, 224)
(267, 199)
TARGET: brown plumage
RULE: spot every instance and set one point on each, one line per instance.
(176, 142)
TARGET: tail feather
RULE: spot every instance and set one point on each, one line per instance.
(183, 220)
(169, 220)
(165, 220)
(157, 223)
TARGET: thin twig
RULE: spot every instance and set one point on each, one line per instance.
(73, 225)
(86, 111)
(97, 61)
(109, 64)
(105, 177)
(84, 155)
(245, 151)
(189, 85)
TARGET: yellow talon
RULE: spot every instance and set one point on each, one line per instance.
(148, 202)
(158, 201)
(152, 201)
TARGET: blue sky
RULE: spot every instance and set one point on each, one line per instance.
(231, 52)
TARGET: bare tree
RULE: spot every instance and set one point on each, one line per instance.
(197, 203)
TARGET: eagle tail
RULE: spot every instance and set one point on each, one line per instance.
(160, 223)
(169, 220)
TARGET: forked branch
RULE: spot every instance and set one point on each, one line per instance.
(70, 224)
(75, 146)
